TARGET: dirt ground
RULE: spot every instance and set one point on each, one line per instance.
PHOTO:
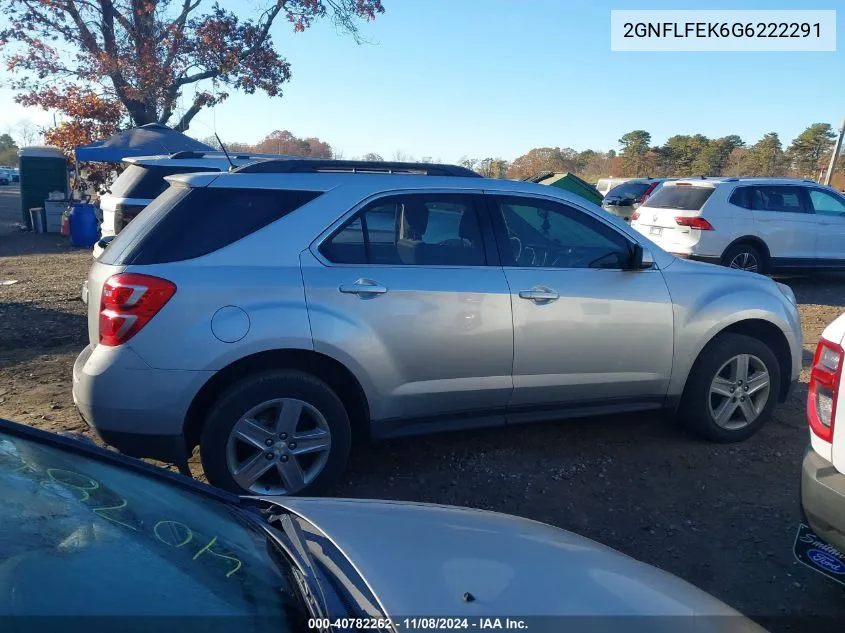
(721, 517)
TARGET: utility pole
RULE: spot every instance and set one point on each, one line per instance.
(837, 146)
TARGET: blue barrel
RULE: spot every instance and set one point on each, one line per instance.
(83, 225)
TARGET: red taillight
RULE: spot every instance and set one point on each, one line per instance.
(127, 304)
(825, 376)
(648, 191)
(635, 215)
(694, 223)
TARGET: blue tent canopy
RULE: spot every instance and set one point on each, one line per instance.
(147, 140)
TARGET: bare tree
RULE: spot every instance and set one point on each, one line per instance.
(26, 133)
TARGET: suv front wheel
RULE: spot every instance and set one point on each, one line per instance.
(281, 432)
(732, 389)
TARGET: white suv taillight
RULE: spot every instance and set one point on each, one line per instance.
(127, 304)
(825, 376)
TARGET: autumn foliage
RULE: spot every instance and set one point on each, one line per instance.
(105, 65)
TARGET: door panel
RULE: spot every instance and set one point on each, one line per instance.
(784, 221)
(585, 330)
(423, 339)
(830, 217)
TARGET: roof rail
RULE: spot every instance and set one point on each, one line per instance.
(306, 166)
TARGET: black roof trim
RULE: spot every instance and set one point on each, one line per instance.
(187, 154)
(305, 166)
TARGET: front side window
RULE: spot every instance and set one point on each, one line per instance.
(545, 234)
(825, 203)
(782, 199)
(411, 230)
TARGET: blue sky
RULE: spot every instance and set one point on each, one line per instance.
(448, 78)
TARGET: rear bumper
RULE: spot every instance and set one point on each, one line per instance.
(136, 409)
(823, 499)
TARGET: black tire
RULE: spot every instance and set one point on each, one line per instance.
(744, 254)
(254, 389)
(695, 411)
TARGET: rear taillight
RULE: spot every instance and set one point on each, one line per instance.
(127, 304)
(635, 215)
(694, 223)
(648, 191)
(825, 376)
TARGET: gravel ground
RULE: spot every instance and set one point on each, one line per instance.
(721, 517)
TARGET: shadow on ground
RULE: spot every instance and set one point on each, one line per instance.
(28, 330)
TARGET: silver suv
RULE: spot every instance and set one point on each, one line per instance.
(274, 314)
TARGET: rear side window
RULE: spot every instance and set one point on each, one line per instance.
(741, 198)
(681, 197)
(147, 181)
(783, 199)
(411, 230)
(201, 221)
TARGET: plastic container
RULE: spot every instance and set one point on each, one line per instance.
(83, 225)
(37, 219)
(53, 210)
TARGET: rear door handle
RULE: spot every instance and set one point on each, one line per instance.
(363, 288)
(539, 294)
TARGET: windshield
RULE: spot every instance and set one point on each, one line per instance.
(682, 197)
(628, 191)
(146, 182)
(79, 536)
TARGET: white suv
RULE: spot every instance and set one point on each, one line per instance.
(758, 224)
(823, 471)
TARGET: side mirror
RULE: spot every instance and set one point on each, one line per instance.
(641, 258)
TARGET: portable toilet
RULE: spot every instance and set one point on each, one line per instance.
(568, 182)
(43, 169)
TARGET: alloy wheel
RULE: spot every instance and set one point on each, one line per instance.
(278, 447)
(739, 392)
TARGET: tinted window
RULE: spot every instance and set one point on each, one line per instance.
(543, 234)
(147, 181)
(411, 230)
(740, 197)
(79, 536)
(783, 199)
(825, 203)
(199, 222)
(681, 197)
(628, 191)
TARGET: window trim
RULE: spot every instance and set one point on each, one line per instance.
(487, 232)
(832, 194)
(803, 196)
(501, 235)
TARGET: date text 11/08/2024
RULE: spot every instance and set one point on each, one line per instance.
(417, 623)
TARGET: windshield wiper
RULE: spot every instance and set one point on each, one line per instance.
(283, 532)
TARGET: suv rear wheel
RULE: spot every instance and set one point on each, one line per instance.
(732, 389)
(744, 256)
(280, 432)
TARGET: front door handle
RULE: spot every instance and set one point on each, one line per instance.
(363, 288)
(539, 294)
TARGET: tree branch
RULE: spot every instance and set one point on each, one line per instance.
(185, 121)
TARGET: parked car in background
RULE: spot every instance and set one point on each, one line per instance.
(760, 225)
(16, 175)
(603, 185)
(143, 179)
(821, 541)
(624, 199)
(317, 303)
(88, 532)
(5, 177)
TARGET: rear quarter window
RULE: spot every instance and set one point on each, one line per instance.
(186, 224)
(148, 181)
(683, 198)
